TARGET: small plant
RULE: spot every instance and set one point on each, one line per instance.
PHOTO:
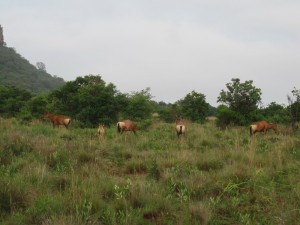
(123, 191)
(179, 190)
(60, 162)
(83, 211)
(154, 171)
(135, 168)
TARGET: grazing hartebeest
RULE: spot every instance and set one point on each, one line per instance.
(57, 119)
(262, 126)
(101, 131)
(180, 129)
(126, 125)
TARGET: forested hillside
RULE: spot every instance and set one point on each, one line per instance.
(17, 71)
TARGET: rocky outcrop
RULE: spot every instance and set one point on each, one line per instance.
(2, 43)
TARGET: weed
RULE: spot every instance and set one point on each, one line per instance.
(154, 171)
(83, 210)
(135, 168)
(179, 190)
(123, 191)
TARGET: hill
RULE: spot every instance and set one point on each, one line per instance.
(17, 71)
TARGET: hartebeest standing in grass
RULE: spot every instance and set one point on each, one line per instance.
(180, 130)
(101, 131)
(57, 119)
(126, 125)
(262, 126)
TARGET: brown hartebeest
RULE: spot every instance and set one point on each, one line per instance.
(262, 126)
(126, 125)
(57, 119)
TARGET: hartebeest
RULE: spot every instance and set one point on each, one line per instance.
(262, 126)
(180, 130)
(101, 131)
(126, 125)
(57, 119)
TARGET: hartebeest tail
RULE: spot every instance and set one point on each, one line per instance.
(119, 127)
(57, 119)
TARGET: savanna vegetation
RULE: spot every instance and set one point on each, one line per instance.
(60, 176)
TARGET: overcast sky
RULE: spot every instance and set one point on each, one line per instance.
(171, 46)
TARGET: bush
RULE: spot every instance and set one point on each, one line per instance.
(226, 116)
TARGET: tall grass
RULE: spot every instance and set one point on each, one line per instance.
(60, 176)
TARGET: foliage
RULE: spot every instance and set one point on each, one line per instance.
(226, 116)
(36, 106)
(242, 98)
(194, 107)
(91, 101)
(168, 112)
(12, 99)
(87, 99)
(139, 105)
(294, 107)
(275, 113)
(41, 66)
(17, 71)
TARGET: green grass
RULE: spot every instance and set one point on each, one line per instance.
(60, 176)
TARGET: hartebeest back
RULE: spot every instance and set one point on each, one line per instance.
(180, 129)
(101, 131)
(57, 119)
(126, 125)
(262, 126)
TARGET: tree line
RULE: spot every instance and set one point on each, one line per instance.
(89, 100)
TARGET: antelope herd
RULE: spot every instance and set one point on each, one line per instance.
(128, 125)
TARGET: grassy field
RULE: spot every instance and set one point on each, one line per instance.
(59, 176)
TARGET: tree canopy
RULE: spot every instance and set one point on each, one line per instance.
(87, 99)
(242, 99)
(194, 106)
(12, 99)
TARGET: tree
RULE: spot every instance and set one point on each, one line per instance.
(194, 107)
(88, 99)
(139, 105)
(226, 116)
(275, 113)
(34, 108)
(12, 99)
(294, 107)
(165, 111)
(242, 98)
(41, 66)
